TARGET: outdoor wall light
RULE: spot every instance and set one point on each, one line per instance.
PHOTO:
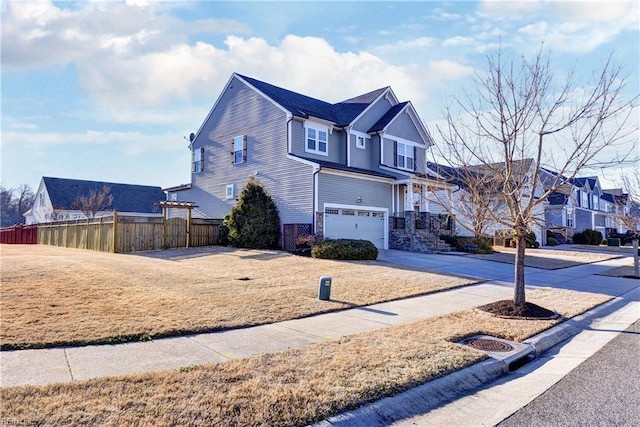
(359, 199)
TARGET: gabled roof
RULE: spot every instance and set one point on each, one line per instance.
(557, 198)
(388, 117)
(342, 113)
(126, 197)
(295, 103)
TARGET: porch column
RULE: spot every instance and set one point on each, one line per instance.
(408, 201)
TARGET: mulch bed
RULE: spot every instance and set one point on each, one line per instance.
(507, 309)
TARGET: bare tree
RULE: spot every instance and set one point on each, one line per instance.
(519, 119)
(94, 202)
(14, 203)
(628, 209)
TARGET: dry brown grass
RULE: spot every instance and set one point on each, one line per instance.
(293, 387)
(53, 296)
(548, 259)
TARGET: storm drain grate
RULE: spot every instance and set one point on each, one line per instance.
(486, 344)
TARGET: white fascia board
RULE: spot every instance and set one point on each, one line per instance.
(422, 129)
(314, 165)
(215, 104)
(357, 175)
(361, 134)
(262, 94)
(318, 122)
(404, 141)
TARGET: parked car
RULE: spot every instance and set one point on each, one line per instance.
(626, 237)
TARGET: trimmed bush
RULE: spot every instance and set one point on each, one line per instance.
(345, 249)
(595, 237)
(254, 222)
(588, 237)
(552, 241)
(484, 247)
(532, 241)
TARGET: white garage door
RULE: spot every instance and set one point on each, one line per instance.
(355, 224)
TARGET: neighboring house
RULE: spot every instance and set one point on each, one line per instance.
(581, 204)
(55, 198)
(339, 170)
(457, 200)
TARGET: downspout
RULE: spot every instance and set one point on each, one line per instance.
(313, 200)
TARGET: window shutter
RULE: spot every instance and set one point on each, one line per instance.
(202, 159)
(395, 153)
(232, 152)
(193, 160)
(244, 148)
(415, 156)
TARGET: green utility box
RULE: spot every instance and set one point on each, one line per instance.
(324, 288)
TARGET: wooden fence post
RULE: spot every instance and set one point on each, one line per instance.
(115, 232)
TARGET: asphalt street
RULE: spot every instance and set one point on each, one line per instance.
(602, 391)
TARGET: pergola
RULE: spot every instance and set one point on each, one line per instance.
(169, 204)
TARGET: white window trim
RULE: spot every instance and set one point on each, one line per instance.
(241, 150)
(406, 156)
(230, 191)
(362, 146)
(318, 128)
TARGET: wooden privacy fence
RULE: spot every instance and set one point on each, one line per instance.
(20, 234)
(122, 233)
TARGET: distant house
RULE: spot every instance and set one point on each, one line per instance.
(456, 201)
(55, 198)
(340, 170)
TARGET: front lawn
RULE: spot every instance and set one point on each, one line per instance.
(547, 259)
(53, 296)
(293, 387)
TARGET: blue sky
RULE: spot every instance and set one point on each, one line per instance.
(106, 90)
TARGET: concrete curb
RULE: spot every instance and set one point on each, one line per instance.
(428, 396)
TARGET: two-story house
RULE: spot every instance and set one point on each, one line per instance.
(334, 170)
(475, 201)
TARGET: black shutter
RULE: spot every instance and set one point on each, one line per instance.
(244, 148)
(415, 157)
(395, 153)
(202, 159)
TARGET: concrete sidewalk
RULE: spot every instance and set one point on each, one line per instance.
(78, 363)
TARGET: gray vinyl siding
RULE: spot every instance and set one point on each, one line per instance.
(583, 220)
(344, 190)
(388, 152)
(554, 217)
(402, 126)
(240, 111)
(363, 158)
(368, 119)
(337, 144)
(420, 160)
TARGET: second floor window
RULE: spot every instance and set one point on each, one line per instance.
(317, 141)
(404, 156)
(197, 160)
(239, 149)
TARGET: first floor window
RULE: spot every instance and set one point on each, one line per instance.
(239, 149)
(230, 191)
(317, 141)
(197, 160)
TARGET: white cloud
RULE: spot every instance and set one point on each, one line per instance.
(457, 41)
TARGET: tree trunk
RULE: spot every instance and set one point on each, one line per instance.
(518, 293)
